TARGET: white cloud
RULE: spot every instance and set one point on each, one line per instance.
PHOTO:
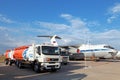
(75, 22)
(72, 33)
(75, 27)
(10, 38)
(93, 23)
(2, 28)
(110, 19)
(76, 32)
(5, 20)
(67, 16)
(110, 34)
(52, 26)
(114, 13)
(115, 9)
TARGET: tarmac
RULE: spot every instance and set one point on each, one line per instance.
(103, 70)
(75, 70)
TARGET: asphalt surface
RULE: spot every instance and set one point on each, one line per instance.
(75, 70)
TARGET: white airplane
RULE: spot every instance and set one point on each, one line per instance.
(86, 50)
(92, 51)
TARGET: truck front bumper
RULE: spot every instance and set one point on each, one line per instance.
(51, 65)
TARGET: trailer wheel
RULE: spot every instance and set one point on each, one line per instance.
(37, 67)
(10, 63)
(6, 62)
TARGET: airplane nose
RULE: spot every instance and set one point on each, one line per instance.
(114, 53)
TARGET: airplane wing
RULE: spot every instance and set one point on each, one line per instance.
(65, 47)
(69, 46)
(75, 46)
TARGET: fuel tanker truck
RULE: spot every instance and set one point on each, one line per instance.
(41, 57)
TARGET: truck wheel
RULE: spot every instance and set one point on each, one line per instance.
(20, 65)
(32, 66)
(65, 63)
(37, 67)
(16, 63)
(53, 70)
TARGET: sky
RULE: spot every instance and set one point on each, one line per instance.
(75, 21)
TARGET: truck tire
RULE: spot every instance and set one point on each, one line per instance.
(37, 67)
(65, 63)
(53, 70)
(16, 63)
(20, 65)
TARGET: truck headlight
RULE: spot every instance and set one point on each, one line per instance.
(47, 59)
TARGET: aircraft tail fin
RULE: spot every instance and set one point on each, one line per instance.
(52, 39)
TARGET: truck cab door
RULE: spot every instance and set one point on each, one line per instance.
(38, 53)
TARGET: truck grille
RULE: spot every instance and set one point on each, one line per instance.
(51, 62)
(54, 59)
(52, 66)
(65, 57)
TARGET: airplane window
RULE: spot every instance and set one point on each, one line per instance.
(96, 50)
(89, 50)
(103, 49)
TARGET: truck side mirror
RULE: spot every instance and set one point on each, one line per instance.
(38, 50)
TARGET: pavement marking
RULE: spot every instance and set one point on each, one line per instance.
(2, 74)
(27, 76)
(76, 79)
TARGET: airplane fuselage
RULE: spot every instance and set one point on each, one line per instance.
(100, 51)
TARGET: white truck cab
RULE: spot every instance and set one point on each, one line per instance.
(44, 57)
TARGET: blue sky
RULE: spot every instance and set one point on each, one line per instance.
(76, 21)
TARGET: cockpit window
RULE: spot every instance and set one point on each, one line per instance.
(108, 47)
(48, 50)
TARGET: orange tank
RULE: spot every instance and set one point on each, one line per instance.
(18, 52)
(7, 54)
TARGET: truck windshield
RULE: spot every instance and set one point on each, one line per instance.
(48, 50)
